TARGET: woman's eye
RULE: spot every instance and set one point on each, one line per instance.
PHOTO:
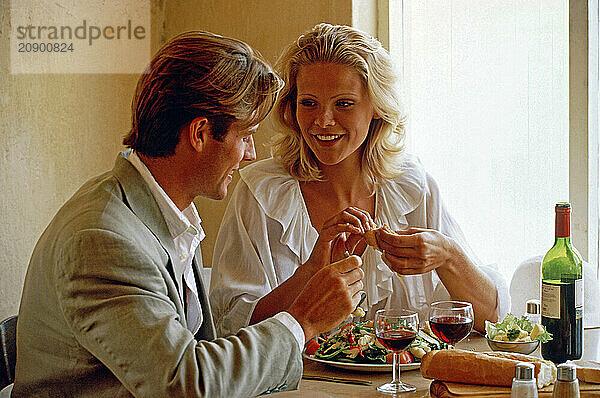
(344, 103)
(307, 102)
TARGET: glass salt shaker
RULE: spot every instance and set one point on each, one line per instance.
(524, 384)
(533, 312)
(567, 385)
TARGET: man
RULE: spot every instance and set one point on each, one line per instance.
(112, 303)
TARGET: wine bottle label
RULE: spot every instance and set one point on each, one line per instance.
(579, 298)
(550, 300)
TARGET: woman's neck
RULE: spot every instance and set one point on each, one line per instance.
(343, 185)
(346, 180)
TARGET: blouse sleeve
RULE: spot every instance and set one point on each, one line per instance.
(439, 218)
(242, 262)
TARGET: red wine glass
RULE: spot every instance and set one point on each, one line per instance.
(396, 330)
(451, 321)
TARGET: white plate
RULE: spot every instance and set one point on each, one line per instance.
(364, 367)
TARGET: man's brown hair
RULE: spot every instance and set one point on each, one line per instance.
(199, 74)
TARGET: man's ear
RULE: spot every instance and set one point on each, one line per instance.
(198, 132)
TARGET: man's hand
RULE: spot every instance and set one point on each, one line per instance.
(329, 297)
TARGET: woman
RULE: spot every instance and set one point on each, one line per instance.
(338, 170)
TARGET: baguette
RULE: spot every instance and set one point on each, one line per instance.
(588, 371)
(493, 368)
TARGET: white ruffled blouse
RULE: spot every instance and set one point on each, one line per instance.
(266, 234)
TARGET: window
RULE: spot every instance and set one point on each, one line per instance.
(487, 93)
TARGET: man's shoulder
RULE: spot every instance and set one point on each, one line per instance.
(100, 203)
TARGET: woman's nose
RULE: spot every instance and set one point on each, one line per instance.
(325, 118)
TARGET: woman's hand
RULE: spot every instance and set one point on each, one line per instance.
(340, 233)
(415, 250)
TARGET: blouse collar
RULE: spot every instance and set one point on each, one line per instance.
(280, 197)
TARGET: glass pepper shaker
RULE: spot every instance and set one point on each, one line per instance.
(524, 384)
(567, 385)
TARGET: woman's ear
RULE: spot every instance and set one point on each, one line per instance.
(198, 131)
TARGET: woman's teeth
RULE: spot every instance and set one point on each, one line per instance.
(328, 137)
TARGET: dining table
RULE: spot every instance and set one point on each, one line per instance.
(321, 388)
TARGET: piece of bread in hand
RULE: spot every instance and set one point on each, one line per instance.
(486, 368)
(370, 235)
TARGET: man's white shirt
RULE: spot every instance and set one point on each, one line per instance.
(187, 233)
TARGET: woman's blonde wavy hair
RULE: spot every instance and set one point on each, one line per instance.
(347, 46)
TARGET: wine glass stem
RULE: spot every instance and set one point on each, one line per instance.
(396, 368)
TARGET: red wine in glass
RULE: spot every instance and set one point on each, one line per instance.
(451, 321)
(397, 340)
(396, 329)
(451, 329)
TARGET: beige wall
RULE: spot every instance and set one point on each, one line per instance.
(56, 131)
(267, 25)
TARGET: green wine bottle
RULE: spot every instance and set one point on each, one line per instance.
(562, 293)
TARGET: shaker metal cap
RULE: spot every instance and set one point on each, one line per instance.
(524, 371)
(533, 306)
(566, 372)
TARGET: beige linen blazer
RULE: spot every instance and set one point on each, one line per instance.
(100, 315)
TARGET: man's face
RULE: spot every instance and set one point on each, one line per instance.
(220, 159)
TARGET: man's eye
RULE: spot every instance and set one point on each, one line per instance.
(307, 102)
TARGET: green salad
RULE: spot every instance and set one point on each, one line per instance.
(515, 329)
(356, 343)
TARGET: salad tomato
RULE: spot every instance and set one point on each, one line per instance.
(403, 357)
(312, 347)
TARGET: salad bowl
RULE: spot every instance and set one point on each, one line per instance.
(521, 347)
(514, 334)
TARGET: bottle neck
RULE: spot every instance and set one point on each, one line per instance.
(562, 225)
(562, 241)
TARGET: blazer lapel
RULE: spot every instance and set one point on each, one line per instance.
(207, 329)
(140, 200)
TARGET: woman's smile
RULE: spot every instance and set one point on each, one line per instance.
(333, 111)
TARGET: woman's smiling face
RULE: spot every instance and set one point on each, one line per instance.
(333, 111)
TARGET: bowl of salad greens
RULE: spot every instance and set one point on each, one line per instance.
(515, 334)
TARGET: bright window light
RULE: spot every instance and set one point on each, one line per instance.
(486, 87)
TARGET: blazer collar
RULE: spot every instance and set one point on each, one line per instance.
(142, 202)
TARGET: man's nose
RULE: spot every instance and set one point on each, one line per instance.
(325, 118)
(250, 152)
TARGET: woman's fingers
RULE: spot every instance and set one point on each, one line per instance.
(351, 220)
(341, 233)
(403, 238)
(414, 251)
(339, 248)
(407, 265)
